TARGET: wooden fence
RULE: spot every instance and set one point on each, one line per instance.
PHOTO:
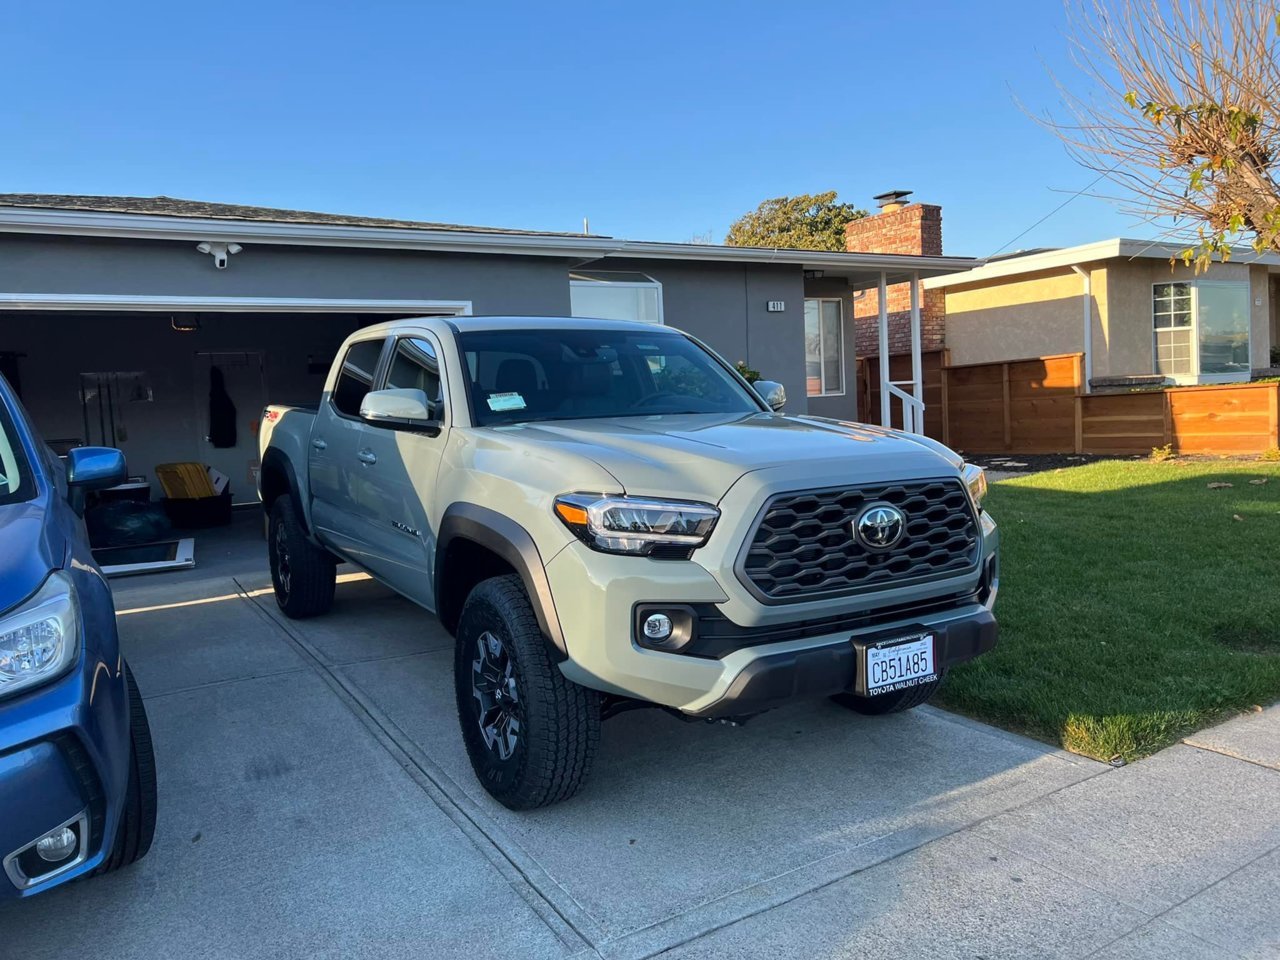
(1023, 406)
(1236, 418)
(1038, 405)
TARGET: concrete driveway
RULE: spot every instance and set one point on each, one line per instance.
(316, 802)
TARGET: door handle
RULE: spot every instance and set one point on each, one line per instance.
(367, 457)
(319, 444)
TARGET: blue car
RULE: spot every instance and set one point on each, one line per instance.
(77, 772)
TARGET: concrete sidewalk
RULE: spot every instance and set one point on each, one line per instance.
(316, 802)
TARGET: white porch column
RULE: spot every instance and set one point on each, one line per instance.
(1087, 299)
(917, 377)
(886, 398)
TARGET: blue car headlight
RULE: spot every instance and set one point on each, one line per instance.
(41, 638)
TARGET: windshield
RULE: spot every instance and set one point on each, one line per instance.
(521, 375)
(15, 479)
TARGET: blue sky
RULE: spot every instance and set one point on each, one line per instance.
(657, 120)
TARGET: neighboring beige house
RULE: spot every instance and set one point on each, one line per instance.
(1123, 305)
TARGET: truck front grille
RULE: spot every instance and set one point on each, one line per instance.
(803, 547)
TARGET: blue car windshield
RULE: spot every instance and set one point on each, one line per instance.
(518, 376)
(15, 477)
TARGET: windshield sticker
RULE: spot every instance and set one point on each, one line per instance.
(506, 401)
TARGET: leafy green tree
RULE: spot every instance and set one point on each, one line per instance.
(808, 222)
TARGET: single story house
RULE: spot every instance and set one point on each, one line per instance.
(120, 315)
(1134, 314)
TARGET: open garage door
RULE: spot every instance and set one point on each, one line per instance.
(142, 380)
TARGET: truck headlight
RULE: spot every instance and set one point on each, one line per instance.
(975, 478)
(41, 638)
(634, 525)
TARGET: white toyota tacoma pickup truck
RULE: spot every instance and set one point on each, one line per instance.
(605, 514)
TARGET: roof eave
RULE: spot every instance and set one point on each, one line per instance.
(31, 220)
(151, 227)
(1115, 248)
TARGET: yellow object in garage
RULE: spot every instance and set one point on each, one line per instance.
(185, 481)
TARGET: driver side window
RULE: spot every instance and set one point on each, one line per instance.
(416, 366)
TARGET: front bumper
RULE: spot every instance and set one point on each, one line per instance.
(792, 654)
(817, 671)
(64, 751)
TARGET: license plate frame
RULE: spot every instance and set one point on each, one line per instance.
(872, 650)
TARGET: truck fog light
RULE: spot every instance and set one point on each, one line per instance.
(56, 845)
(657, 626)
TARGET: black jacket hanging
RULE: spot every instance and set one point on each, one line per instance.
(222, 412)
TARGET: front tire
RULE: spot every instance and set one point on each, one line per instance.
(894, 702)
(531, 734)
(138, 817)
(302, 574)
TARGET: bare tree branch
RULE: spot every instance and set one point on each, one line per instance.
(1179, 107)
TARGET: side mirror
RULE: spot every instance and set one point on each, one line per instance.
(772, 393)
(399, 410)
(92, 468)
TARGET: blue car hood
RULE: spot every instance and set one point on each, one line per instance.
(32, 546)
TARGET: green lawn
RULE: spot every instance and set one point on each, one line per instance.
(1136, 604)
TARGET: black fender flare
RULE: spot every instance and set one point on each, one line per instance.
(275, 461)
(512, 543)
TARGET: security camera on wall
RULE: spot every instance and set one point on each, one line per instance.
(221, 252)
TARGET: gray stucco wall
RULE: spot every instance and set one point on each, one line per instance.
(725, 305)
(536, 286)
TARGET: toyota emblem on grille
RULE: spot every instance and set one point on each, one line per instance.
(879, 526)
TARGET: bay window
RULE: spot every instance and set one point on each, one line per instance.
(1201, 329)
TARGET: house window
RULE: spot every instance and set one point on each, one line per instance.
(823, 347)
(1201, 329)
(1171, 311)
(615, 296)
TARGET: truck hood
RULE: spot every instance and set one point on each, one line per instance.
(32, 548)
(700, 456)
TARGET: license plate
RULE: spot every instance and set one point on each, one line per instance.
(898, 664)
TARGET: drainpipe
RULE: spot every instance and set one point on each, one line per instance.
(1088, 324)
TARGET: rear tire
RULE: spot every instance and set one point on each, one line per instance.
(894, 702)
(531, 734)
(138, 817)
(302, 574)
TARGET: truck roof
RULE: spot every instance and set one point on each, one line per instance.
(465, 324)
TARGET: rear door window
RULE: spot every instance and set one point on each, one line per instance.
(355, 379)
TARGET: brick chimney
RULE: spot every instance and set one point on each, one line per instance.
(899, 227)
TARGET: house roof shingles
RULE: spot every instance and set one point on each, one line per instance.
(199, 209)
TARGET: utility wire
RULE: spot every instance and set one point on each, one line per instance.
(1089, 186)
